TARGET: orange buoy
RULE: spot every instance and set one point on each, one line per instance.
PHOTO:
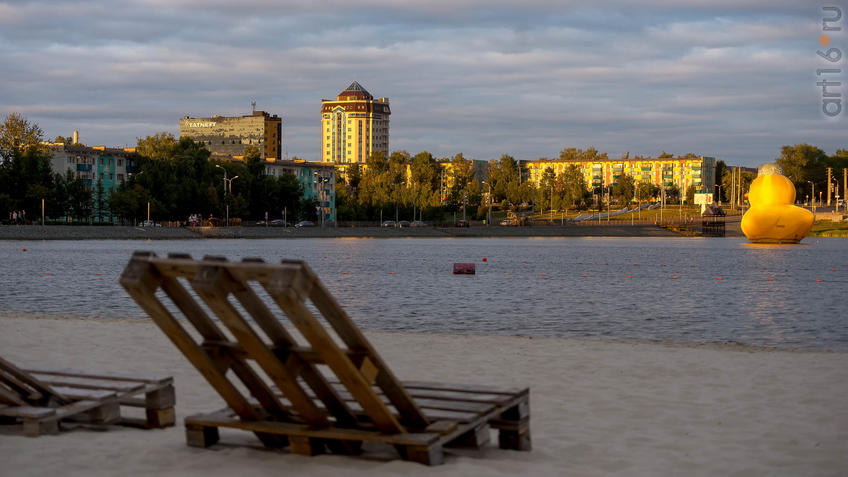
(832, 269)
(344, 273)
(391, 273)
(541, 274)
(506, 273)
(770, 279)
(818, 280)
(50, 275)
(719, 278)
(98, 274)
(629, 276)
(584, 276)
(674, 277)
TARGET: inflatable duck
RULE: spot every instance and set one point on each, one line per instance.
(772, 218)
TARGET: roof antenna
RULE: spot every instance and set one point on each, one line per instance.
(253, 105)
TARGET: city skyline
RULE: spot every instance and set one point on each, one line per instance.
(733, 80)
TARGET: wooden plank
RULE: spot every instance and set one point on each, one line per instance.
(141, 280)
(22, 376)
(87, 394)
(210, 331)
(353, 338)
(283, 347)
(101, 375)
(222, 419)
(212, 285)
(120, 387)
(9, 397)
(465, 388)
(283, 293)
(30, 412)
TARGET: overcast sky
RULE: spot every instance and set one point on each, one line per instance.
(734, 79)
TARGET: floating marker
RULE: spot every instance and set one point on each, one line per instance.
(818, 280)
(98, 274)
(50, 275)
(674, 277)
(344, 273)
(770, 279)
(484, 259)
(464, 269)
(719, 278)
(584, 276)
(506, 273)
(541, 274)
(629, 276)
(391, 273)
(24, 250)
(832, 269)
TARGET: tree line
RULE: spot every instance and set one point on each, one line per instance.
(177, 179)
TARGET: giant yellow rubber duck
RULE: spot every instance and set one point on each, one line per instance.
(772, 218)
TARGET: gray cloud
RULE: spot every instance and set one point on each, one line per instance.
(734, 79)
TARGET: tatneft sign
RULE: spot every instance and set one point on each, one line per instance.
(200, 125)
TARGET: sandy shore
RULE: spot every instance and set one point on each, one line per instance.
(598, 408)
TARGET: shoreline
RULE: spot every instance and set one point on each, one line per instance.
(597, 407)
(90, 232)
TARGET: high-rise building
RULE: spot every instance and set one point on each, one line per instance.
(354, 126)
(229, 136)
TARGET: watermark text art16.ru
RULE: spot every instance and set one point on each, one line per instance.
(830, 77)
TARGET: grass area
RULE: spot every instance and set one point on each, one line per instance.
(671, 212)
(826, 228)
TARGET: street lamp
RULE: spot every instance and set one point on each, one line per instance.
(813, 193)
(228, 184)
(489, 212)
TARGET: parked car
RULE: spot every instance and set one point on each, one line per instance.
(403, 223)
(417, 223)
(304, 223)
(505, 222)
(388, 223)
(462, 223)
(149, 223)
(279, 223)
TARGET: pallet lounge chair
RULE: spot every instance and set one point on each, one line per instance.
(41, 400)
(324, 389)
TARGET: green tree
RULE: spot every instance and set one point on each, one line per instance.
(802, 163)
(624, 189)
(645, 191)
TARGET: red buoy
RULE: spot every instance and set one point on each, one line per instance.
(484, 259)
(464, 269)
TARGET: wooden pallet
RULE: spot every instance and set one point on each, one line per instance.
(326, 388)
(40, 400)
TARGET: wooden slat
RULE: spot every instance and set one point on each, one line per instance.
(210, 331)
(354, 339)
(120, 377)
(284, 345)
(286, 296)
(335, 433)
(87, 394)
(141, 280)
(10, 397)
(22, 376)
(121, 387)
(211, 284)
(465, 388)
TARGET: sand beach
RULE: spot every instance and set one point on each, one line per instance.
(597, 407)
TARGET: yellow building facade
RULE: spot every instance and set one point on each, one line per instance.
(354, 126)
(698, 171)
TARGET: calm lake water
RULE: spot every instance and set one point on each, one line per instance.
(622, 288)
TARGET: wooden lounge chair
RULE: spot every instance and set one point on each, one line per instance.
(327, 388)
(40, 399)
